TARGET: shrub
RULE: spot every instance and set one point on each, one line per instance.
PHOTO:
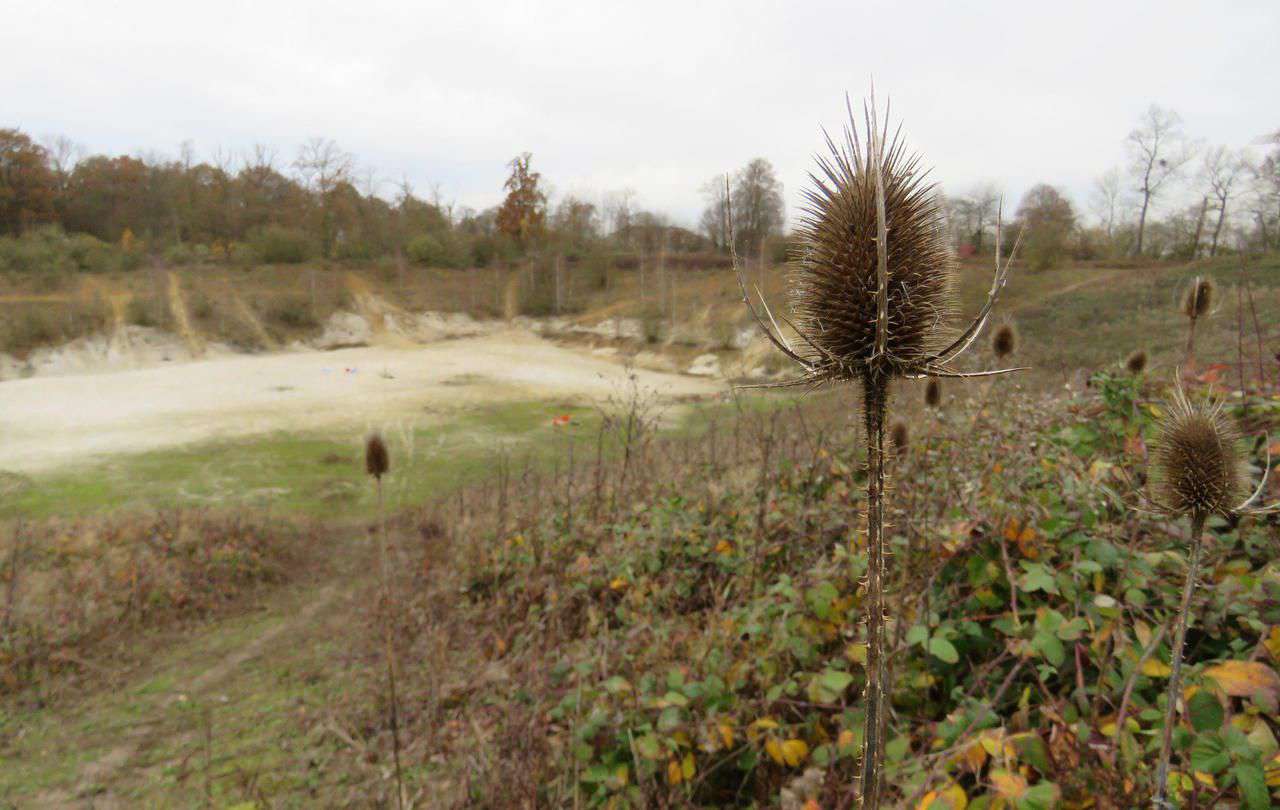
(275, 244)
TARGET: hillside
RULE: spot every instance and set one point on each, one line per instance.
(648, 605)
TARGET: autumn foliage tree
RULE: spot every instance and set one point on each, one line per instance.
(1048, 220)
(523, 213)
(27, 185)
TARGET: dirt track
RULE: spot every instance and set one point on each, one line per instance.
(48, 422)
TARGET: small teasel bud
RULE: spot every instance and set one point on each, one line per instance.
(900, 436)
(1198, 464)
(933, 393)
(1004, 341)
(376, 459)
(1137, 362)
(1198, 298)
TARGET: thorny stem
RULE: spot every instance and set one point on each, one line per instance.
(1175, 677)
(876, 400)
(391, 666)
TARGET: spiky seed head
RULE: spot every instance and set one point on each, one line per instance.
(1137, 362)
(835, 278)
(376, 459)
(933, 393)
(1198, 298)
(900, 436)
(1004, 341)
(1198, 464)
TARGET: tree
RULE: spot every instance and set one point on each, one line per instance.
(1265, 199)
(27, 186)
(715, 217)
(981, 204)
(324, 168)
(576, 221)
(523, 213)
(1107, 200)
(1158, 151)
(619, 208)
(757, 204)
(1047, 220)
(1222, 168)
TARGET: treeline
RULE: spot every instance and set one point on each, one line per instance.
(1174, 197)
(102, 212)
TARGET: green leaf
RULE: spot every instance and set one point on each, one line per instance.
(943, 650)
(1043, 796)
(1253, 785)
(1209, 753)
(647, 746)
(1037, 578)
(1205, 711)
(820, 599)
(918, 634)
(1048, 645)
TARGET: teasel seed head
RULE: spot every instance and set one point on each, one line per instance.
(933, 393)
(1198, 298)
(835, 289)
(1004, 341)
(1199, 468)
(376, 459)
(1137, 362)
(900, 436)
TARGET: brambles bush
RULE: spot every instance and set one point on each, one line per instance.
(701, 644)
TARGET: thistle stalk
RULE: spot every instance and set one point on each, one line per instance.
(875, 406)
(1175, 676)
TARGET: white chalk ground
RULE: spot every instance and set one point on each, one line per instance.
(48, 422)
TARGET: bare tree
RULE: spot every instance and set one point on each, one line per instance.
(715, 217)
(757, 204)
(323, 167)
(1221, 170)
(619, 209)
(1264, 200)
(63, 154)
(1158, 151)
(1107, 200)
(982, 202)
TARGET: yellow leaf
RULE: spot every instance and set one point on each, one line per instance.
(857, 653)
(674, 775)
(949, 798)
(845, 739)
(618, 583)
(811, 804)
(763, 724)
(1205, 779)
(795, 752)
(1155, 668)
(1009, 785)
(1272, 643)
(724, 547)
(687, 766)
(774, 749)
(726, 734)
(1246, 679)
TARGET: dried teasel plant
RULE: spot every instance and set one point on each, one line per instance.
(1004, 341)
(1136, 362)
(933, 394)
(377, 463)
(872, 292)
(900, 436)
(1197, 300)
(1199, 472)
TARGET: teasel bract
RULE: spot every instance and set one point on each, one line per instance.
(872, 291)
(933, 394)
(1199, 472)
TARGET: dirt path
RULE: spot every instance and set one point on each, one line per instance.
(48, 422)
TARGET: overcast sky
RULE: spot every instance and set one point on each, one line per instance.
(656, 96)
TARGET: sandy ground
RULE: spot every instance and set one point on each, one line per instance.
(48, 422)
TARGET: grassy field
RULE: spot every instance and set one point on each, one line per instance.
(696, 581)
